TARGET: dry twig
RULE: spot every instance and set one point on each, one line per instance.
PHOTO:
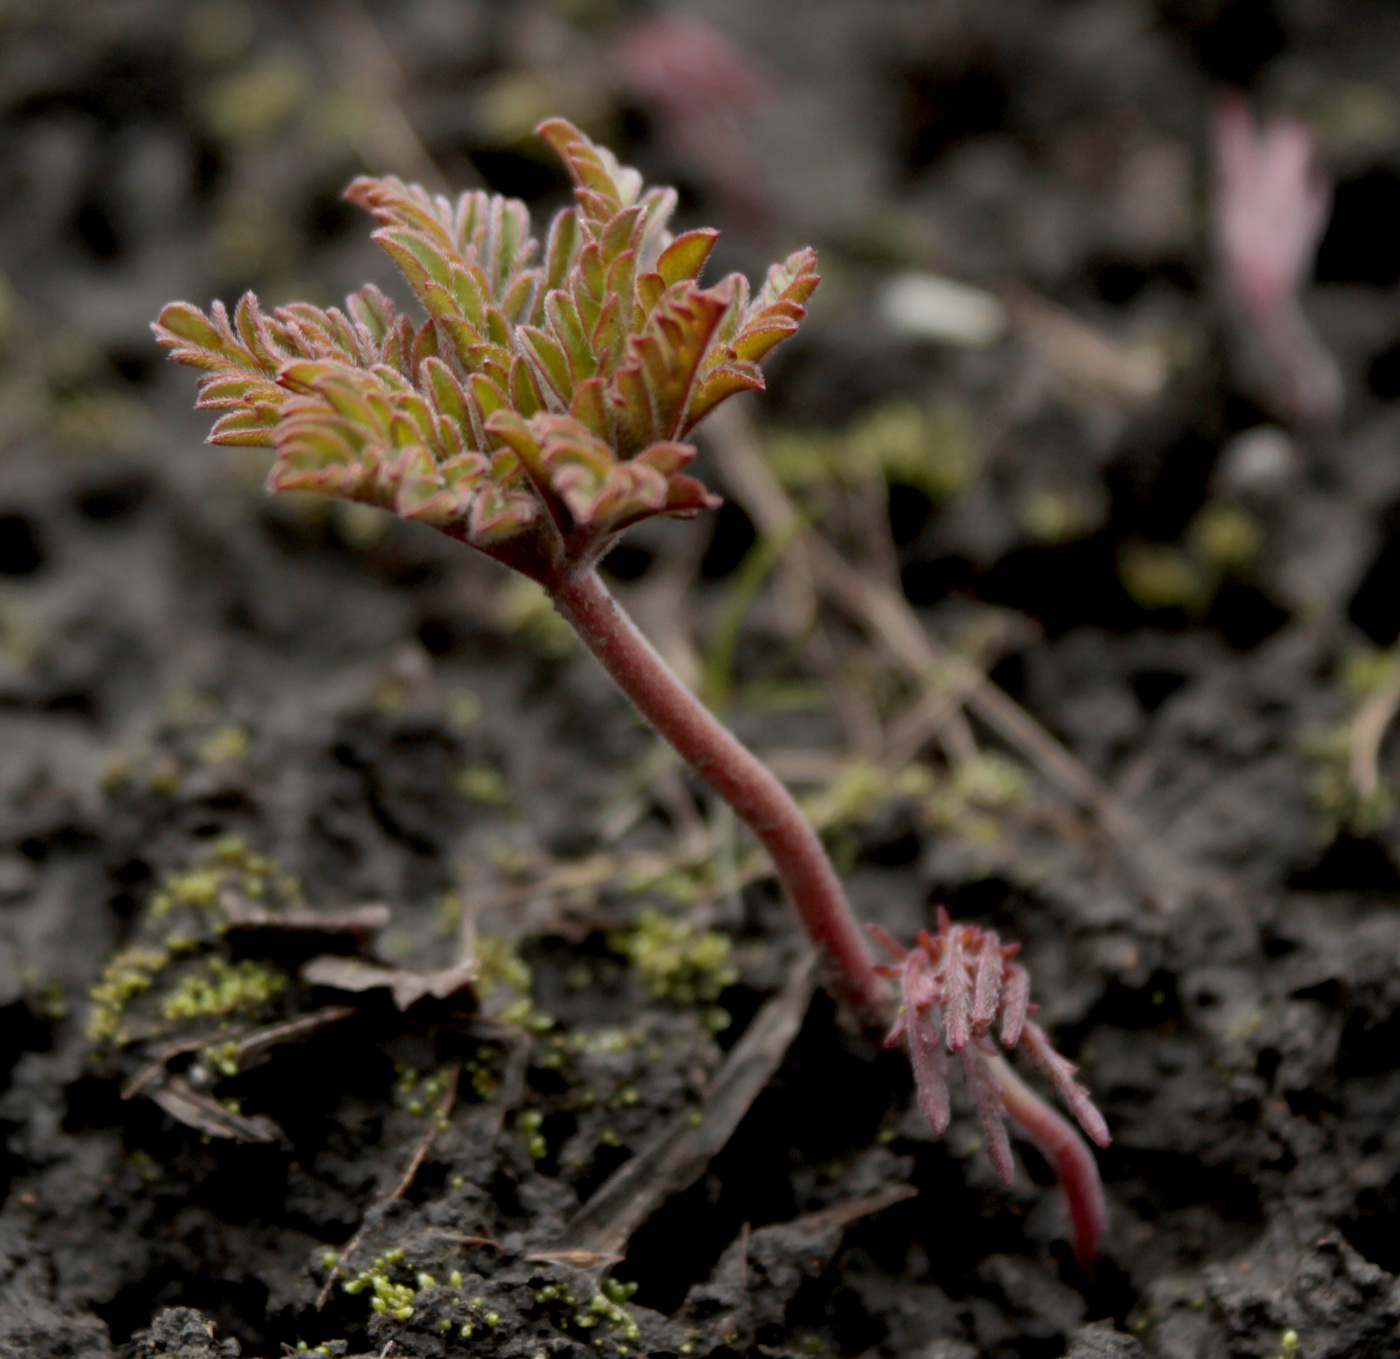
(946, 676)
(1368, 730)
(410, 1173)
(679, 1155)
(382, 134)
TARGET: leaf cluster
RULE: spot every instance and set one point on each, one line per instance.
(955, 985)
(541, 407)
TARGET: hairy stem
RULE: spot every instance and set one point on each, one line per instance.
(1071, 1160)
(764, 805)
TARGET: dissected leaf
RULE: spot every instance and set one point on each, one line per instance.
(653, 389)
(205, 1114)
(536, 393)
(684, 258)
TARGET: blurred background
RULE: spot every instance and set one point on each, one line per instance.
(1102, 351)
(1102, 381)
(1056, 158)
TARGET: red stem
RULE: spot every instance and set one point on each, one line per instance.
(764, 805)
(1071, 1159)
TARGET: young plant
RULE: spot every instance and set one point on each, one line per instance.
(1271, 209)
(955, 985)
(536, 414)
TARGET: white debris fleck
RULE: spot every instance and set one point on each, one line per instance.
(930, 307)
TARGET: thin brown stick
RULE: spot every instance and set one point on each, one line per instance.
(680, 1153)
(920, 723)
(415, 1164)
(853, 706)
(1368, 730)
(421, 1151)
(892, 619)
(249, 1043)
(959, 744)
(366, 70)
(852, 1210)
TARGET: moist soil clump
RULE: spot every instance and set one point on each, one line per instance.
(371, 982)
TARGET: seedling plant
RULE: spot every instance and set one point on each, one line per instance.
(540, 411)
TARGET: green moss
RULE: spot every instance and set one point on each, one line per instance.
(391, 1299)
(1061, 516)
(929, 449)
(221, 988)
(423, 1094)
(676, 960)
(449, 913)
(226, 745)
(602, 1315)
(850, 799)
(463, 708)
(523, 610)
(1223, 540)
(716, 1018)
(49, 1002)
(501, 969)
(1159, 576)
(215, 987)
(223, 1057)
(198, 889)
(145, 1166)
(127, 974)
(249, 104)
(522, 1013)
(684, 886)
(499, 964)
(528, 1123)
(231, 866)
(603, 1041)
(605, 1311)
(232, 852)
(1227, 537)
(481, 783)
(396, 1297)
(1366, 670)
(960, 803)
(164, 779)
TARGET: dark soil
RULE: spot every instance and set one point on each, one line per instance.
(183, 661)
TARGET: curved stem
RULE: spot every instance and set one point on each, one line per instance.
(761, 802)
(1069, 1157)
